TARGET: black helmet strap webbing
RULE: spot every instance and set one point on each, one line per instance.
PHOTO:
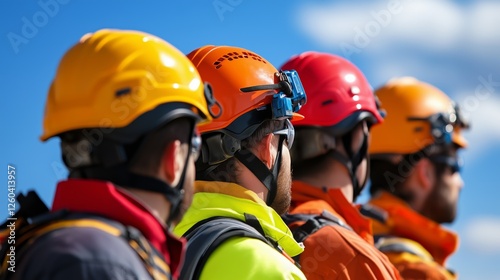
(268, 177)
(120, 175)
(353, 160)
(176, 203)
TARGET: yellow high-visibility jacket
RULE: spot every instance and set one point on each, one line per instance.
(242, 257)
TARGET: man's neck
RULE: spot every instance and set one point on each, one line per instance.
(249, 181)
(334, 179)
(157, 204)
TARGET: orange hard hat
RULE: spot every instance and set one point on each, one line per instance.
(249, 91)
(229, 70)
(418, 115)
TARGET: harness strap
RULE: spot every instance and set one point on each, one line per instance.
(374, 212)
(152, 260)
(155, 264)
(205, 237)
(312, 223)
(391, 244)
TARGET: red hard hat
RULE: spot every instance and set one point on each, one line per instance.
(338, 94)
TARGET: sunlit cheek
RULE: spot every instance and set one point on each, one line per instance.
(362, 168)
(287, 158)
(457, 180)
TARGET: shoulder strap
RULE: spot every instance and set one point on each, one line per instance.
(152, 260)
(205, 236)
(373, 212)
(312, 223)
(37, 222)
(30, 207)
(393, 244)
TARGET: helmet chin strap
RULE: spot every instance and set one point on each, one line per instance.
(120, 175)
(268, 177)
(353, 160)
(175, 194)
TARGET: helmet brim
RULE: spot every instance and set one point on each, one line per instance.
(350, 122)
(297, 117)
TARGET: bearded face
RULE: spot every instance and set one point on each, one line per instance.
(283, 198)
(441, 204)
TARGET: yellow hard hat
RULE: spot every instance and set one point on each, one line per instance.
(418, 115)
(110, 78)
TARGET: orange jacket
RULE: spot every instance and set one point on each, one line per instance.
(433, 243)
(335, 252)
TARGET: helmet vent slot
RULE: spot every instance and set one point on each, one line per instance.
(326, 102)
(122, 91)
(236, 55)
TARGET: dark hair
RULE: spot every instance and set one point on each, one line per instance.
(310, 167)
(80, 151)
(320, 143)
(147, 157)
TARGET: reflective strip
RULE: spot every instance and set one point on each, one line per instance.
(161, 263)
(150, 262)
(92, 223)
(402, 245)
(72, 223)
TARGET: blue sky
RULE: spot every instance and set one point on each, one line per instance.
(454, 45)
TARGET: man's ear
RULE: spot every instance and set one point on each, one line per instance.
(171, 162)
(425, 174)
(266, 150)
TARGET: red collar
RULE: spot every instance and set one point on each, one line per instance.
(105, 199)
(311, 196)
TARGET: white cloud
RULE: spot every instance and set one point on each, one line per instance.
(481, 235)
(399, 65)
(427, 24)
(483, 22)
(482, 39)
(327, 25)
(438, 41)
(482, 108)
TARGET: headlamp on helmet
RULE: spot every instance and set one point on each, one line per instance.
(444, 124)
(290, 98)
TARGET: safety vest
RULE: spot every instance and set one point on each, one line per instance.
(205, 236)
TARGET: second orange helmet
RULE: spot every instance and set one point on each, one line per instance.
(228, 70)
